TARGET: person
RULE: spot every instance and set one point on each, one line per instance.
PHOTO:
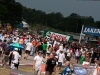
(6, 52)
(77, 55)
(28, 49)
(69, 68)
(3, 44)
(44, 45)
(37, 63)
(50, 65)
(98, 69)
(61, 58)
(15, 59)
(82, 58)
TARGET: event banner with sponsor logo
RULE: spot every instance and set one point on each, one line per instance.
(57, 36)
(91, 30)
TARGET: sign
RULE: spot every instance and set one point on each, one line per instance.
(80, 70)
(91, 30)
(58, 36)
(85, 63)
(83, 70)
(17, 72)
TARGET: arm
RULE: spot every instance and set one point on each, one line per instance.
(47, 64)
(10, 53)
(34, 64)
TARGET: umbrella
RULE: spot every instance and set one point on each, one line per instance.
(17, 45)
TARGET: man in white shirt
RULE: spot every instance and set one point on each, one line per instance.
(37, 63)
(15, 59)
(28, 49)
(61, 58)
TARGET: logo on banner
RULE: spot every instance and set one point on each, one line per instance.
(58, 36)
(80, 70)
(91, 30)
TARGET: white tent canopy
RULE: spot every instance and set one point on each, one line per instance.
(25, 24)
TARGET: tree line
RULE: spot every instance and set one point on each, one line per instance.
(13, 12)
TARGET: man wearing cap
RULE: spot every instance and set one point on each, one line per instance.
(37, 63)
(61, 57)
(15, 59)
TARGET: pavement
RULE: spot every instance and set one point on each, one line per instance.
(27, 66)
(23, 61)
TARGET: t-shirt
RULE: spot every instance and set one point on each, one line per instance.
(51, 63)
(39, 60)
(16, 57)
(3, 45)
(69, 52)
(7, 50)
(29, 46)
(44, 46)
(61, 56)
(77, 53)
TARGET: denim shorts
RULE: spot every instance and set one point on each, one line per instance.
(59, 64)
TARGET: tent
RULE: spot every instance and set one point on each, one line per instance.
(25, 25)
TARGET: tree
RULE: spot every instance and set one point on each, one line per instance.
(14, 11)
(3, 12)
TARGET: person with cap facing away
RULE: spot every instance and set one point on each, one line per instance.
(37, 63)
(15, 59)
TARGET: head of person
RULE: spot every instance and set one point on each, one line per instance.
(51, 55)
(5, 41)
(40, 53)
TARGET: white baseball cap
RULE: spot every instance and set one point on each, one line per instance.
(16, 49)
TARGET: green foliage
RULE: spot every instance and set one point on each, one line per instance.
(10, 11)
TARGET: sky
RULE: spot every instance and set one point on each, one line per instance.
(66, 7)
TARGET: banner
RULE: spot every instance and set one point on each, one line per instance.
(57, 35)
(91, 30)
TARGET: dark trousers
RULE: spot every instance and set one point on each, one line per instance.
(10, 60)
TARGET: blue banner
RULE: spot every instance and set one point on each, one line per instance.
(91, 30)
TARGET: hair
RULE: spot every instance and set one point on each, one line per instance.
(68, 58)
(5, 41)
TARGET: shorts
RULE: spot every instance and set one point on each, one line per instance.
(14, 65)
(44, 52)
(27, 52)
(48, 73)
(0, 52)
(5, 58)
(77, 57)
(59, 64)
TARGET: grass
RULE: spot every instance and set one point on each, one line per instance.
(6, 70)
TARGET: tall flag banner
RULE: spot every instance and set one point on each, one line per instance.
(91, 30)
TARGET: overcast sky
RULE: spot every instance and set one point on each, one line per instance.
(66, 7)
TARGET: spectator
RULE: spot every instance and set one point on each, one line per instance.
(15, 59)
(37, 63)
(50, 65)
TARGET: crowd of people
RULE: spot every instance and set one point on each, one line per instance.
(53, 52)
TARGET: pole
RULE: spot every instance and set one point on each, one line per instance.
(81, 34)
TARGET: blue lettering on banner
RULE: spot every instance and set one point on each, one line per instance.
(91, 30)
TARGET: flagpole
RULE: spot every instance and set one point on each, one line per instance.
(81, 34)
